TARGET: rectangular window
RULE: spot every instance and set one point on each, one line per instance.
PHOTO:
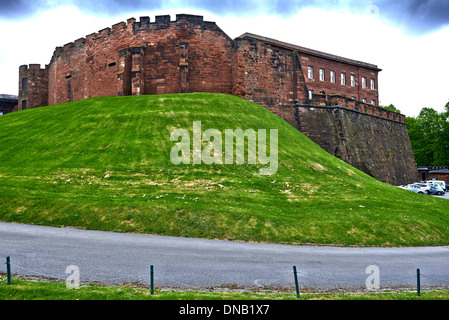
(364, 100)
(310, 94)
(373, 87)
(352, 80)
(353, 98)
(321, 74)
(333, 76)
(343, 78)
(363, 82)
(24, 84)
(373, 102)
(310, 72)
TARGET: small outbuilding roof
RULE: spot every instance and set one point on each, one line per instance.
(444, 171)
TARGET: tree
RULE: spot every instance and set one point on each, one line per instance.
(391, 108)
(429, 137)
(442, 151)
(417, 141)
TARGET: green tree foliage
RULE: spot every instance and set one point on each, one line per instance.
(429, 136)
(391, 108)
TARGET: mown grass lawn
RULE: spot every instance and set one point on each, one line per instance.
(104, 163)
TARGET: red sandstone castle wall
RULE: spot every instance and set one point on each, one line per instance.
(268, 75)
(33, 87)
(379, 147)
(186, 55)
(190, 55)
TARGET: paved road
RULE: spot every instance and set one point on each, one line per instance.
(117, 258)
(445, 196)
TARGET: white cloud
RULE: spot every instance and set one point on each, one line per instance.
(33, 41)
(413, 67)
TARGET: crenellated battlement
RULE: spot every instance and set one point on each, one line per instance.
(133, 26)
(164, 21)
(335, 100)
(119, 26)
(32, 66)
(145, 22)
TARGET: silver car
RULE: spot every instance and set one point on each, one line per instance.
(436, 189)
(414, 188)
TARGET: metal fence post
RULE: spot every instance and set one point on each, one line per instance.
(418, 281)
(8, 269)
(296, 281)
(151, 279)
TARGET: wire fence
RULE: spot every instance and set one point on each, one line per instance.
(300, 280)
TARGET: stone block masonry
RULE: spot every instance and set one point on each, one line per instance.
(375, 145)
(143, 57)
(192, 55)
(33, 86)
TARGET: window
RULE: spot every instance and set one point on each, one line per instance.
(363, 82)
(24, 104)
(321, 74)
(373, 102)
(373, 87)
(310, 94)
(352, 80)
(364, 100)
(24, 84)
(333, 76)
(310, 72)
(343, 78)
(353, 98)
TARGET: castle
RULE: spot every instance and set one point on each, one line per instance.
(331, 99)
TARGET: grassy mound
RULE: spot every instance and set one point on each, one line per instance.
(104, 163)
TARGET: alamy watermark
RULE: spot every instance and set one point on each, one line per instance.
(73, 280)
(212, 152)
(373, 280)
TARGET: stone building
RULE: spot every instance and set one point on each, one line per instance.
(331, 99)
(8, 103)
(434, 173)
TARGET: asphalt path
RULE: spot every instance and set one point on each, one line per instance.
(445, 196)
(116, 258)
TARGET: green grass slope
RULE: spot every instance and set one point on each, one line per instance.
(104, 163)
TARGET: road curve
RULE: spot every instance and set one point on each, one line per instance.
(198, 263)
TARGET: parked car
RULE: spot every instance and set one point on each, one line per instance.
(447, 187)
(435, 189)
(441, 183)
(425, 187)
(413, 188)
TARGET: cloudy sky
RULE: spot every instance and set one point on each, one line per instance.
(407, 39)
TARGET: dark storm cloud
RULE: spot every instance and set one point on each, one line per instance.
(15, 8)
(416, 16)
(413, 16)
